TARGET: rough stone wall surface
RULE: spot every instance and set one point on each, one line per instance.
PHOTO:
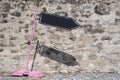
(95, 44)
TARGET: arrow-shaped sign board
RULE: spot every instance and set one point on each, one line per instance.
(58, 21)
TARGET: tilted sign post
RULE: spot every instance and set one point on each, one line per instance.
(51, 20)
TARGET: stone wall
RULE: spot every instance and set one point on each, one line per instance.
(95, 44)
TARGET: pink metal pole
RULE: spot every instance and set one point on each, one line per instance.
(32, 37)
(27, 72)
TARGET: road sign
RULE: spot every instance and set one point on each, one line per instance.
(58, 21)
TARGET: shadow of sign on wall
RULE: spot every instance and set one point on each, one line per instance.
(59, 56)
(56, 55)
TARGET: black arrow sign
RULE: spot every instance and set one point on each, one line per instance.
(58, 21)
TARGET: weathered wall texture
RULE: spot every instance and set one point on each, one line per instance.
(95, 44)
